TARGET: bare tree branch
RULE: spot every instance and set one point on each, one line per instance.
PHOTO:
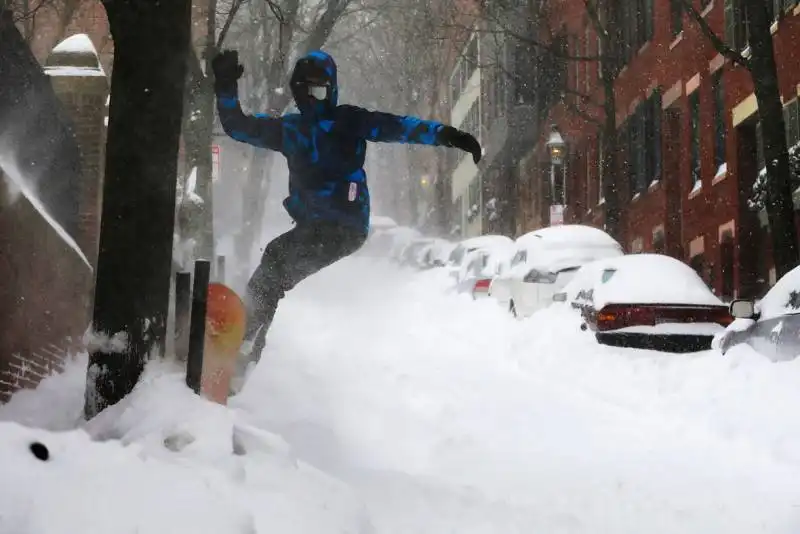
(718, 43)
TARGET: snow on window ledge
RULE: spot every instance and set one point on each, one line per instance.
(636, 197)
(677, 40)
(707, 10)
(601, 201)
(722, 173)
(654, 185)
(698, 186)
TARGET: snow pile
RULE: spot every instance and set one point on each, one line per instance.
(163, 460)
(441, 415)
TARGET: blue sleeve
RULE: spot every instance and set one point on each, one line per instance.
(259, 130)
(381, 127)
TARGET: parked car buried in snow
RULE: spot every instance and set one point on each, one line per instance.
(457, 262)
(545, 261)
(771, 326)
(482, 266)
(648, 301)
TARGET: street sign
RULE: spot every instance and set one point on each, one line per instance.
(556, 214)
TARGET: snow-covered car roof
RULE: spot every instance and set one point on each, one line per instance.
(567, 236)
(438, 249)
(641, 279)
(783, 298)
(485, 241)
(495, 253)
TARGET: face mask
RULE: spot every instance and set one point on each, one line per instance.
(319, 92)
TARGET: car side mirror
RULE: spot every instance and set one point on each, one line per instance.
(742, 309)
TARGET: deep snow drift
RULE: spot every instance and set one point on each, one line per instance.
(422, 413)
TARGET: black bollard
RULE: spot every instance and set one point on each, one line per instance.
(197, 327)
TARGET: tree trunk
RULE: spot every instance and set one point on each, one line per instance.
(151, 43)
(780, 208)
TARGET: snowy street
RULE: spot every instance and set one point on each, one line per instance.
(409, 410)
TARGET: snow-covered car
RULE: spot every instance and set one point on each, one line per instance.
(772, 325)
(545, 261)
(411, 256)
(436, 253)
(456, 261)
(648, 301)
(481, 267)
(398, 239)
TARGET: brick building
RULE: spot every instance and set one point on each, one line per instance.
(687, 122)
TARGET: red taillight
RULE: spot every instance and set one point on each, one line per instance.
(613, 317)
(483, 285)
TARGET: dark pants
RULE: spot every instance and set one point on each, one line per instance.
(288, 260)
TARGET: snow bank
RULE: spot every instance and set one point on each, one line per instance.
(441, 415)
(783, 298)
(163, 460)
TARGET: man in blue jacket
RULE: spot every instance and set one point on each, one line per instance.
(325, 146)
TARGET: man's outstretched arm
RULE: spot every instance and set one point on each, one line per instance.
(260, 130)
(381, 127)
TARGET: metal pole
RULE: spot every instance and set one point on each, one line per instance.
(197, 328)
(183, 302)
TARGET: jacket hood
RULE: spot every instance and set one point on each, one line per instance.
(319, 64)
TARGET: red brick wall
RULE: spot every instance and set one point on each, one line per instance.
(667, 62)
(44, 298)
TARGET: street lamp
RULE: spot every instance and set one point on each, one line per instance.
(556, 148)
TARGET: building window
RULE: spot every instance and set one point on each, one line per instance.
(791, 116)
(589, 163)
(726, 262)
(600, 168)
(699, 265)
(719, 119)
(676, 17)
(464, 70)
(694, 125)
(642, 138)
(659, 245)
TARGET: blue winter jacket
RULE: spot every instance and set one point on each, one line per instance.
(325, 146)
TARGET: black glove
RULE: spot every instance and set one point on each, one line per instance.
(452, 137)
(227, 69)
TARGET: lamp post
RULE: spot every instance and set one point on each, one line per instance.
(556, 148)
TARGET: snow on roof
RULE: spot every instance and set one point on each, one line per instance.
(648, 279)
(783, 298)
(80, 43)
(567, 235)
